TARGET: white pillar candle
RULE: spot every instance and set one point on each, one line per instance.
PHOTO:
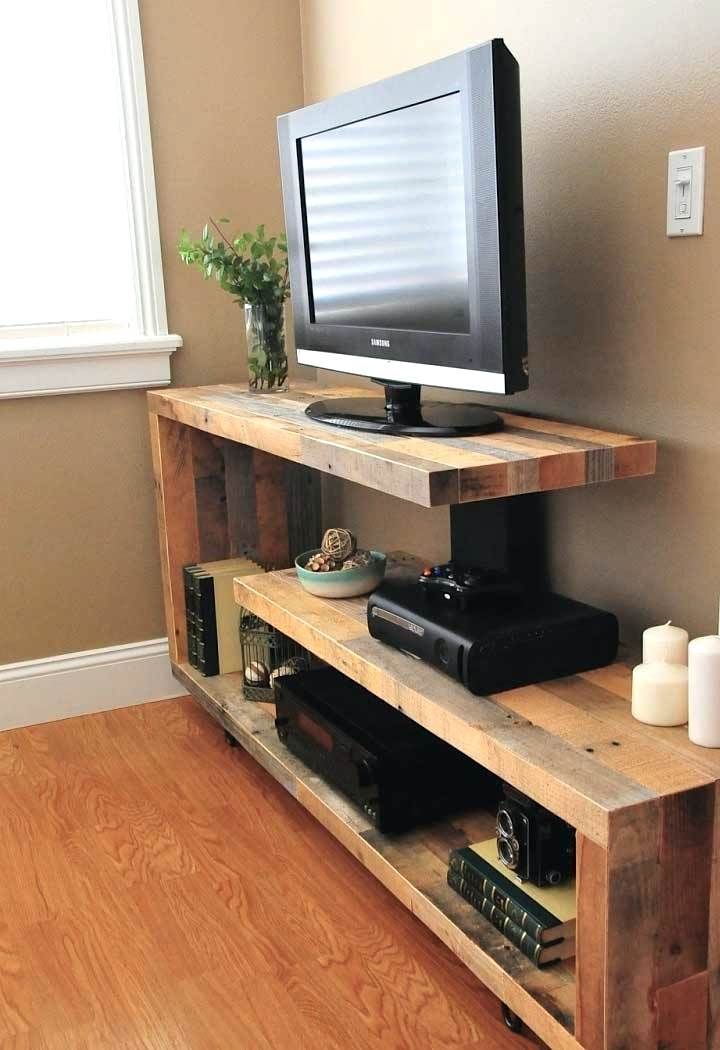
(660, 694)
(704, 691)
(665, 643)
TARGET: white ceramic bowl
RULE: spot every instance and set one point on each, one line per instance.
(341, 583)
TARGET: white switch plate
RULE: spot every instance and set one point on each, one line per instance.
(685, 192)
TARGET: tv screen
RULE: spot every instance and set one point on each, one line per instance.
(404, 217)
(384, 202)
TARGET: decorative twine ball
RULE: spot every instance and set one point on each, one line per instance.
(358, 560)
(256, 673)
(340, 544)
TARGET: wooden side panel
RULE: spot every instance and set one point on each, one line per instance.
(616, 1011)
(633, 908)
(592, 921)
(209, 471)
(685, 861)
(177, 520)
(643, 927)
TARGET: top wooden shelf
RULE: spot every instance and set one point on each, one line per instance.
(529, 455)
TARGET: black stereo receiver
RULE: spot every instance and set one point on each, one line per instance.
(501, 642)
(398, 772)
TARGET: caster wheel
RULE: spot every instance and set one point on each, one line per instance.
(230, 740)
(511, 1019)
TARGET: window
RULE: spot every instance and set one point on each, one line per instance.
(82, 304)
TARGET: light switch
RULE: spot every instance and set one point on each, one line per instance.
(685, 191)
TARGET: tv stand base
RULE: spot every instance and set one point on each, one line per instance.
(403, 412)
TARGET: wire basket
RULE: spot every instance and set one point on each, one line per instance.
(266, 654)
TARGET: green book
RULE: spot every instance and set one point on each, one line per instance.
(190, 615)
(545, 913)
(538, 954)
(206, 632)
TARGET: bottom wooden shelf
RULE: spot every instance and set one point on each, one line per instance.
(412, 866)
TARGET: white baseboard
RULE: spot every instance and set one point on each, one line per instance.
(55, 687)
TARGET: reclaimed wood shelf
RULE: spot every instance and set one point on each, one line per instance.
(528, 455)
(572, 742)
(411, 866)
(239, 474)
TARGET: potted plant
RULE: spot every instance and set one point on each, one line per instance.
(253, 268)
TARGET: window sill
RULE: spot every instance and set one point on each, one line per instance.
(68, 366)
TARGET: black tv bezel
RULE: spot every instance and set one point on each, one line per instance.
(492, 356)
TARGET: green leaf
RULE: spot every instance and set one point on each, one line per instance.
(249, 270)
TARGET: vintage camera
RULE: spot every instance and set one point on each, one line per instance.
(533, 843)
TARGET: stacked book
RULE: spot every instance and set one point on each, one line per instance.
(211, 615)
(540, 921)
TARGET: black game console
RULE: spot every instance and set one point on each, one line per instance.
(466, 588)
(398, 772)
(501, 641)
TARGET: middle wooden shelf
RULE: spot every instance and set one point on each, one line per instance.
(584, 779)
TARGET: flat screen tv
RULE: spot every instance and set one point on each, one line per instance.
(404, 216)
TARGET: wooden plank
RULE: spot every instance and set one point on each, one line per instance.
(273, 549)
(380, 466)
(273, 506)
(610, 702)
(685, 859)
(303, 508)
(648, 890)
(635, 459)
(404, 865)
(682, 1014)
(632, 906)
(210, 497)
(177, 521)
(570, 781)
(240, 497)
(619, 743)
(591, 939)
(530, 455)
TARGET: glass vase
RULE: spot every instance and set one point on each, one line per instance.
(267, 359)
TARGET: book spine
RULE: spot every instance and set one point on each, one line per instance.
(207, 649)
(514, 911)
(190, 617)
(517, 936)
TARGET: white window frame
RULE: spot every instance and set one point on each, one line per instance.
(65, 359)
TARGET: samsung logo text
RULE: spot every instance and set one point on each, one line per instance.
(379, 342)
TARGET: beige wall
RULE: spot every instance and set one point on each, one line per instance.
(623, 322)
(78, 549)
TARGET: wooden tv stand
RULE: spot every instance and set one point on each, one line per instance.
(237, 473)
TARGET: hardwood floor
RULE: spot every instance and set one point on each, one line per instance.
(159, 890)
